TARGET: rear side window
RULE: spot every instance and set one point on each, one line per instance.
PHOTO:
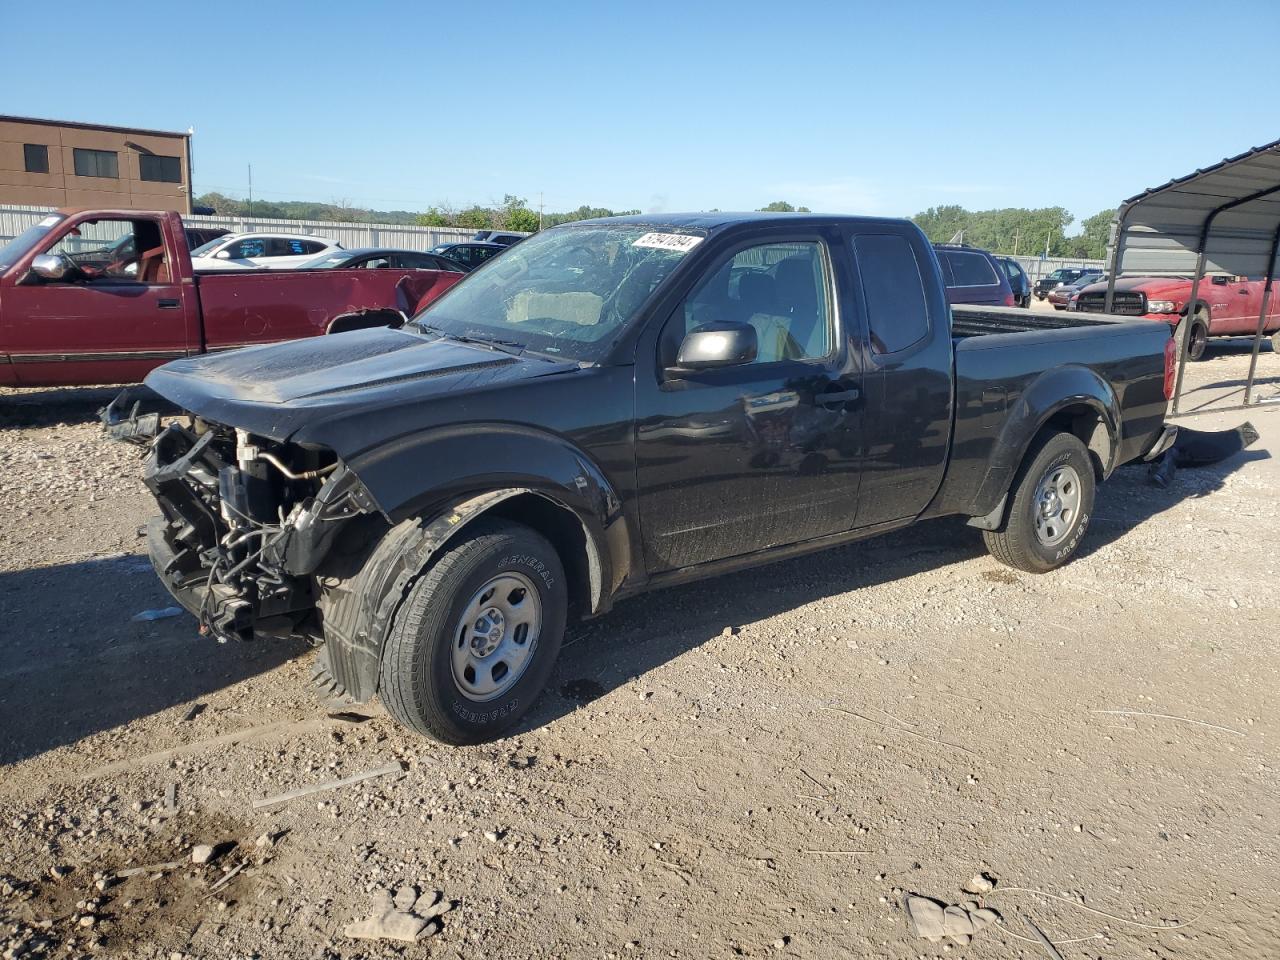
(970, 269)
(253, 247)
(288, 247)
(893, 288)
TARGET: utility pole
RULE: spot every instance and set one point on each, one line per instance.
(539, 209)
(1047, 237)
(1015, 240)
(249, 212)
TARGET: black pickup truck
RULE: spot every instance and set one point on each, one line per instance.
(610, 407)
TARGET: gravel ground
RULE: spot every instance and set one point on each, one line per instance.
(760, 765)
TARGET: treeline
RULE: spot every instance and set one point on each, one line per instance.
(514, 213)
(1019, 230)
(339, 211)
(1009, 230)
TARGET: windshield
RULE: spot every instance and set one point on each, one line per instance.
(14, 250)
(568, 292)
(207, 248)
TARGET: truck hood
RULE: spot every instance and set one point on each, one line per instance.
(276, 389)
(1144, 284)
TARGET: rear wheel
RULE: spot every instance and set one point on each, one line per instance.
(1051, 502)
(475, 640)
(1198, 336)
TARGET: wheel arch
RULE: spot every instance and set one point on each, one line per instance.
(1071, 399)
(364, 320)
(360, 599)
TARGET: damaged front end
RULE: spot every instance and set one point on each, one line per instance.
(245, 523)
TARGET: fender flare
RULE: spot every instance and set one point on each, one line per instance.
(357, 611)
(1061, 389)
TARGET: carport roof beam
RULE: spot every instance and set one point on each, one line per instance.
(1222, 219)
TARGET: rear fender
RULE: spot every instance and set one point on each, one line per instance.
(1085, 404)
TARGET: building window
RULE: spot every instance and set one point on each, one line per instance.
(37, 157)
(160, 169)
(95, 163)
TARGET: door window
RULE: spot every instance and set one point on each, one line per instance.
(115, 250)
(781, 289)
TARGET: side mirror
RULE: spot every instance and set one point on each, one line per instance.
(715, 345)
(222, 255)
(52, 266)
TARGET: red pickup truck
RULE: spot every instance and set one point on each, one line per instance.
(80, 304)
(1225, 306)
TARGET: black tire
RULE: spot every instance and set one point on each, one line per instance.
(417, 682)
(1017, 542)
(1198, 336)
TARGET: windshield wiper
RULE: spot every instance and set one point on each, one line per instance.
(513, 347)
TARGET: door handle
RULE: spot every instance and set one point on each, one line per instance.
(836, 397)
(166, 303)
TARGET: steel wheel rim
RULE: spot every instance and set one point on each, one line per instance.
(494, 639)
(1057, 504)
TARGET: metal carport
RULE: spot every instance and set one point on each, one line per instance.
(1222, 219)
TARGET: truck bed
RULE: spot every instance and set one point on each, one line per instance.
(1007, 360)
(984, 321)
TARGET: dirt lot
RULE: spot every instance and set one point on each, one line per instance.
(756, 766)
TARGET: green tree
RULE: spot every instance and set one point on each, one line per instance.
(1095, 231)
(523, 219)
(475, 218)
(781, 206)
(434, 217)
(1007, 230)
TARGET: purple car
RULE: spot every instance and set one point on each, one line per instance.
(973, 276)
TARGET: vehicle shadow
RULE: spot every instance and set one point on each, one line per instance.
(74, 663)
(640, 634)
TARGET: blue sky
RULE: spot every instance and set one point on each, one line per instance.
(879, 108)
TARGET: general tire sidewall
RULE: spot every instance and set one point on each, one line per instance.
(536, 559)
(1078, 459)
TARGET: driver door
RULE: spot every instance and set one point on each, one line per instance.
(113, 319)
(748, 457)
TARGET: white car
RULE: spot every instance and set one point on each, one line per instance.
(259, 251)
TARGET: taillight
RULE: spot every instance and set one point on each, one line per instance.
(1008, 300)
(1170, 365)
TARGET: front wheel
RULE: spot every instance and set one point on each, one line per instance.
(1051, 502)
(475, 640)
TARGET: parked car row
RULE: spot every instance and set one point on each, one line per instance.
(225, 251)
(1063, 295)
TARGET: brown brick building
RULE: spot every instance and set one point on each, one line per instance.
(50, 163)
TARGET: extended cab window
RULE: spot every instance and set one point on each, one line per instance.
(970, 269)
(778, 288)
(893, 290)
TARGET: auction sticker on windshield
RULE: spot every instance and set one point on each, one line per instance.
(679, 242)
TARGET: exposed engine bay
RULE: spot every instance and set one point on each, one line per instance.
(245, 522)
